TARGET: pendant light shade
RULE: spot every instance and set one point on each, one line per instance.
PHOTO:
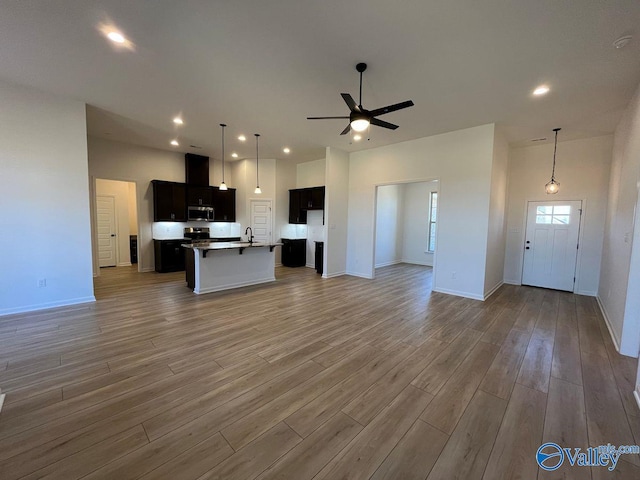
(257, 190)
(552, 187)
(223, 186)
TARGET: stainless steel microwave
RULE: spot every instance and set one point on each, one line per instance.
(200, 214)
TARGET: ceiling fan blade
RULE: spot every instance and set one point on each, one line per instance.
(323, 118)
(351, 103)
(346, 130)
(391, 108)
(382, 123)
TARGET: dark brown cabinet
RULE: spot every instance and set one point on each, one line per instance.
(196, 170)
(303, 199)
(169, 201)
(294, 252)
(169, 255)
(296, 213)
(200, 196)
(224, 205)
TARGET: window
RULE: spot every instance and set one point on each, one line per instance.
(433, 208)
(553, 214)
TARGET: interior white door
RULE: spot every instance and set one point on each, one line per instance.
(106, 220)
(261, 220)
(551, 244)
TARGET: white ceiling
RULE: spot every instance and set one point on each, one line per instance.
(264, 66)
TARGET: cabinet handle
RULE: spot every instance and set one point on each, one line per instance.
(173, 216)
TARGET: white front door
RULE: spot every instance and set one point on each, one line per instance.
(261, 220)
(106, 215)
(551, 244)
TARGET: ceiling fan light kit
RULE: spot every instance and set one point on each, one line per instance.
(359, 117)
(552, 187)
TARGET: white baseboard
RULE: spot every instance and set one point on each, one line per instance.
(493, 290)
(332, 275)
(44, 306)
(636, 395)
(511, 282)
(387, 264)
(235, 285)
(359, 275)
(457, 293)
(124, 264)
(586, 293)
(146, 270)
(2, 395)
(616, 342)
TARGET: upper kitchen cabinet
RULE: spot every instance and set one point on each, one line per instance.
(303, 199)
(296, 213)
(317, 199)
(224, 205)
(196, 170)
(200, 196)
(169, 201)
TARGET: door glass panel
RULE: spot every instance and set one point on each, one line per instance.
(543, 219)
(561, 219)
(544, 210)
(562, 210)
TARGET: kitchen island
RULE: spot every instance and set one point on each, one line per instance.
(212, 267)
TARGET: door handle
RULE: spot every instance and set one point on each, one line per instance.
(528, 241)
(526, 248)
(113, 234)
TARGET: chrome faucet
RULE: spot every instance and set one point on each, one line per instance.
(249, 237)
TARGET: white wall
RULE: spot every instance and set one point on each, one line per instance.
(131, 163)
(462, 162)
(582, 168)
(620, 271)
(43, 165)
(133, 209)
(120, 192)
(496, 239)
(311, 174)
(389, 224)
(336, 212)
(416, 223)
(285, 181)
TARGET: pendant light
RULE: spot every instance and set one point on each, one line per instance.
(223, 186)
(257, 190)
(553, 187)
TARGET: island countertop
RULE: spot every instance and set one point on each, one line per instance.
(229, 245)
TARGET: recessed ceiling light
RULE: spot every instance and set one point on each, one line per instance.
(357, 137)
(234, 155)
(178, 121)
(116, 37)
(541, 90)
(286, 150)
(242, 138)
(175, 143)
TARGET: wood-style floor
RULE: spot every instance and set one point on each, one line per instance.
(310, 378)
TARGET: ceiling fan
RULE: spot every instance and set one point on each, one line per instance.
(360, 118)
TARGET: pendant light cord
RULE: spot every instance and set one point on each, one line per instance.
(257, 181)
(223, 125)
(555, 148)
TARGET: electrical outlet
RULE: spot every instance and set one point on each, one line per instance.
(42, 283)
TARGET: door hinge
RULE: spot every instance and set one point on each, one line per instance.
(580, 211)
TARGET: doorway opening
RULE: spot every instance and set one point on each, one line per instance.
(551, 244)
(115, 230)
(406, 224)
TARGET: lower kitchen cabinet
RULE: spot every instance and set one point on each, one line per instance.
(169, 255)
(294, 252)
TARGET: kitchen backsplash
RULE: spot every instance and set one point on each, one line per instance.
(172, 230)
